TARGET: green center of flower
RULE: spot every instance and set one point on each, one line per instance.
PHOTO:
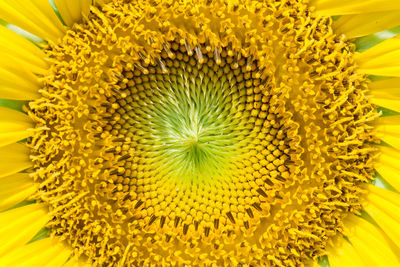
(189, 124)
(191, 143)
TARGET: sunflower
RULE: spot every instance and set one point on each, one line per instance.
(199, 133)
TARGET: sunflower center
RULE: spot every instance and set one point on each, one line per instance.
(184, 135)
(192, 123)
(186, 129)
(203, 133)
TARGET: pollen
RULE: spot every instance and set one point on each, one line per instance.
(201, 133)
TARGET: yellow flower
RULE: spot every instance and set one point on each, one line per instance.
(199, 133)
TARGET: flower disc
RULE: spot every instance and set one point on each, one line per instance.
(201, 132)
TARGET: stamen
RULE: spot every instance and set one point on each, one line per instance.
(217, 56)
(199, 55)
(168, 51)
(188, 48)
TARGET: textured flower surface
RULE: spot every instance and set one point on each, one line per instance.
(199, 133)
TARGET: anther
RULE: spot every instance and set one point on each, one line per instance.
(261, 192)
(168, 51)
(289, 161)
(250, 212)
(162, 221)
(249, 63)
(111, 150)
(280, 178)
(145, 59)
(152, 219)
(230, 217)
(188, 48)
(199, 54)
(206, 231)
(257, 206)
(113, 172)
(310, 61)
(269, 182)
(124, 157)
(162, 65)
(235, 65)
(216, 223)
(185, 228)
(176, 221)
(217, 56)
(138, 204)
(142, 69)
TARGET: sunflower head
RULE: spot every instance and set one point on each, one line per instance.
(201, 133)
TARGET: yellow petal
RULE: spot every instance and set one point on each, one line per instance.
(369, 242)
(20, 59)
(345, 7)
(360, 25)
(14, 158)
(18, 226)
(388, 130)
(44, 252)
(388, 120)
(388, 166)
(14, 126)
(343, 254)
(74, 262)
(71, 11)
(17, 83)
(386, 93)
(384, 207)
(34, 16)
(20, 51)
(382, 59)
(14, 189)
